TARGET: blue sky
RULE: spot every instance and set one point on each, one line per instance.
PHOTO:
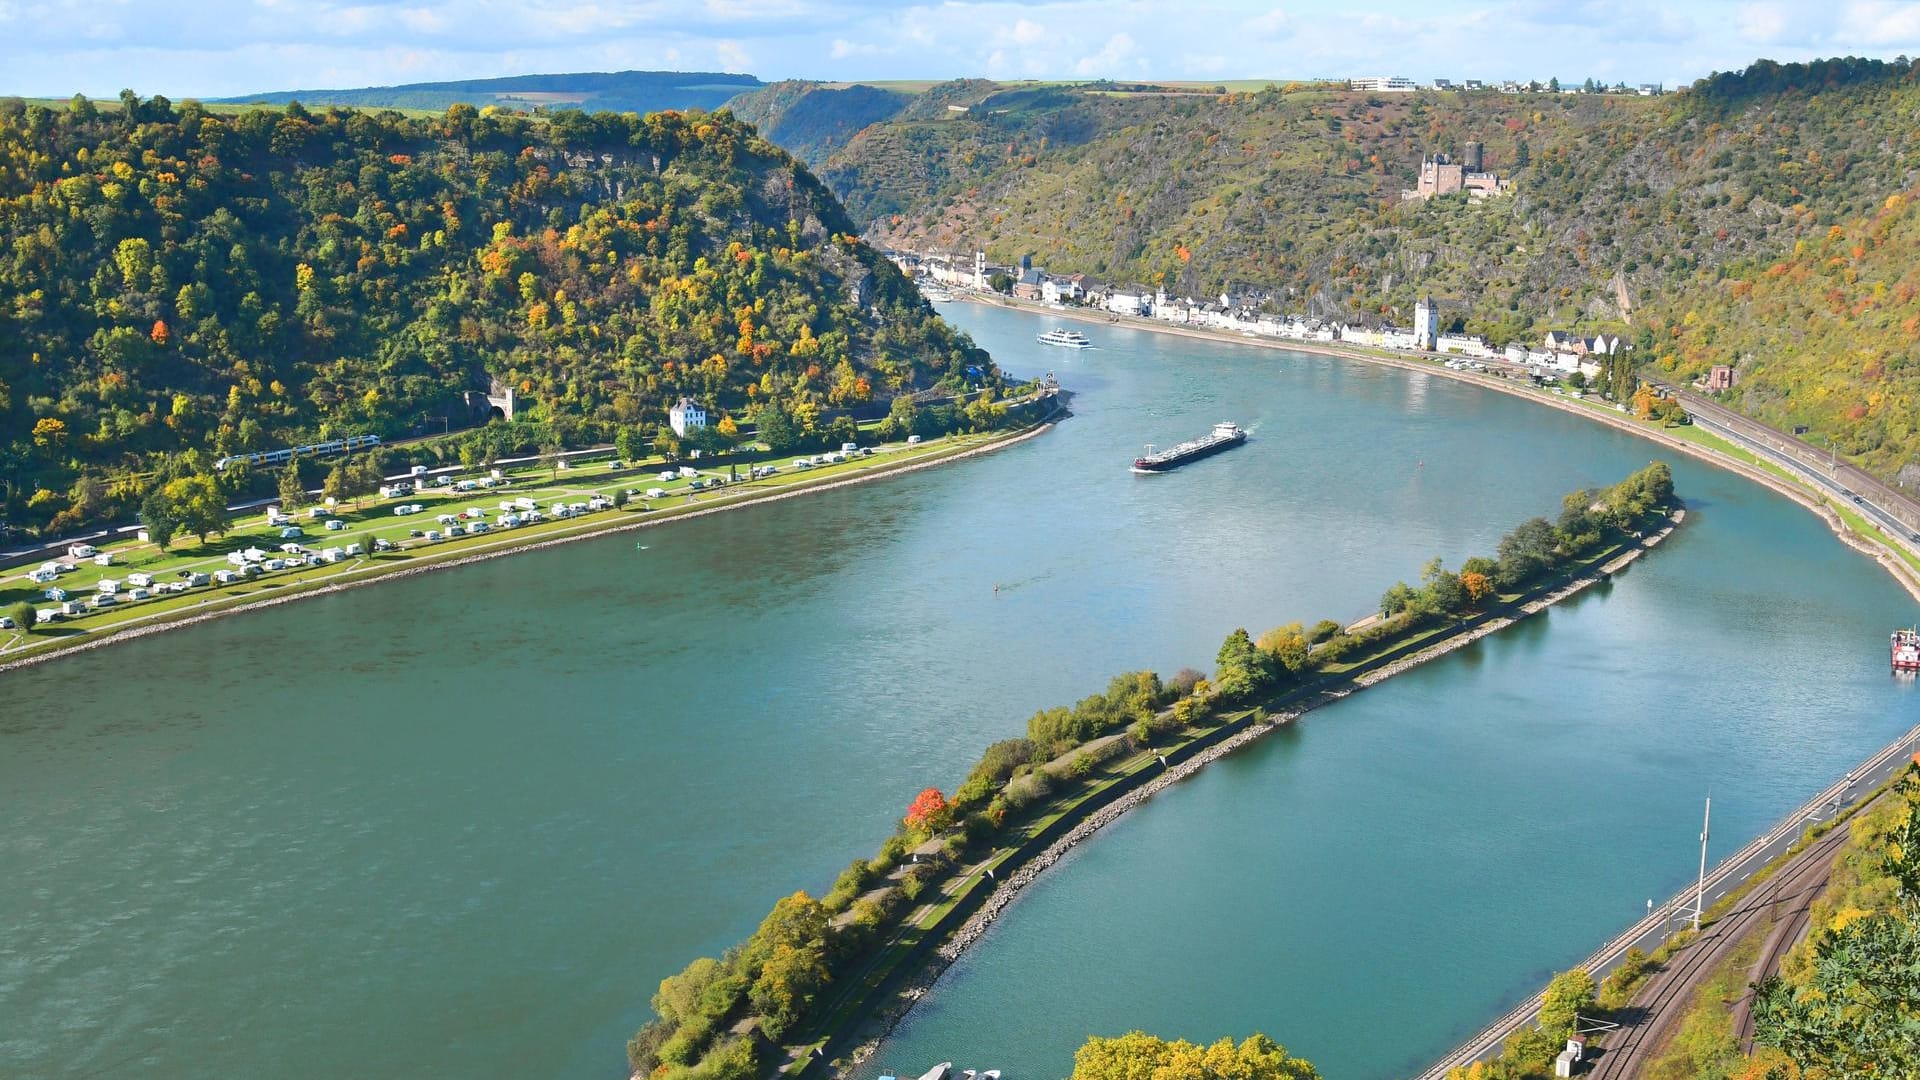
(207, 48)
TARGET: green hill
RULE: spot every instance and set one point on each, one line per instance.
(174, 282)
(810, 120)
(1655, 217)
(595, 91)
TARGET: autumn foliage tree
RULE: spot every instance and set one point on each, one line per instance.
(929, 811)
(267, 278)
(1137, 1055)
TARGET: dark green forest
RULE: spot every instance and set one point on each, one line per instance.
(174, 282)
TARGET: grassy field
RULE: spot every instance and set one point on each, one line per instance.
(220, 108)
(374, 519)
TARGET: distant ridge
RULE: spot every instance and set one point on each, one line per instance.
(592, 91)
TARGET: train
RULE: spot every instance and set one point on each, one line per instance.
(275, 457)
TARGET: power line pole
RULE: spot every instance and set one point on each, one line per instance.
(1700, 888)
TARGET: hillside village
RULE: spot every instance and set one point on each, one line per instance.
(1558, 354)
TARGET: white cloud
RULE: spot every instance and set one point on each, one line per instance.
(1112, 59)
(1027, 32)
(1269, 24)
(423, 20)
(1762, 22)
(220, 47)
(732, 57)
(749, 10)
(1881, 23)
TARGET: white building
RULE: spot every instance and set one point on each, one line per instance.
(1426, 324)
(1394, 337)
(686, 416)
(1384, 84)
(1465, 344)
(1058, 290)
(1127, 303)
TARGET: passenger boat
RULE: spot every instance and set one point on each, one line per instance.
(1225, 436)
(1906, 650)
(1065, 338)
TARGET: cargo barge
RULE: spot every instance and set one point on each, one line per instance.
(1225, 436)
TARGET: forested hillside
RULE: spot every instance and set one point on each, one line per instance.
(1657, 217)
(173, 281)
(810, 120)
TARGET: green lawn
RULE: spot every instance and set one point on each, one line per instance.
(374, 519)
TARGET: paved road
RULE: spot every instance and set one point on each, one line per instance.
(1650, 932)
(1890, 508)
(1779, 906)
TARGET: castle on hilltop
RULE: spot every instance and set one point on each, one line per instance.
(1439, 175)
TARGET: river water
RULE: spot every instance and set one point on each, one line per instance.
(463, 823)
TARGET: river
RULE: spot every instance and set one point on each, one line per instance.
(464, 822)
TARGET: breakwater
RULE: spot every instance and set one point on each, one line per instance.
(967, 923)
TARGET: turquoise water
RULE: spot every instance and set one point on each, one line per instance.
(465, 822)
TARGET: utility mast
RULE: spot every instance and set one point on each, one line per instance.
(1700, 888)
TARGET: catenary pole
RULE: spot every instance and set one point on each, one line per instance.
(1700, 888)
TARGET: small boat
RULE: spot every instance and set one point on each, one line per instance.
(968, 1074)
(1066, 338)
(990, 1074)
(938, 1072)
(1906, 651)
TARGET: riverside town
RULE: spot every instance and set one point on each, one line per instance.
(960, 542)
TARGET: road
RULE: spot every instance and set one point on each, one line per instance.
(1778, 906)
(1890, 508)
(1729, 874)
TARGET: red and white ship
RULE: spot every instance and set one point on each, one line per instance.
(1906, 650)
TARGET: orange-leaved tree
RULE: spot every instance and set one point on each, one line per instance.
(929, 810)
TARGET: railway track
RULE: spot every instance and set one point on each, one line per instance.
(1789, 928)
(1657, 1010)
